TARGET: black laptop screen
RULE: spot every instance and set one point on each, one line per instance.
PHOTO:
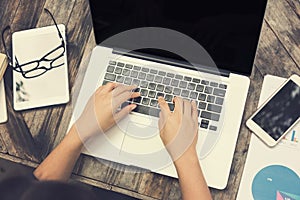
(228, 29)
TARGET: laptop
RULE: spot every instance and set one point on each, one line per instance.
(197, 49)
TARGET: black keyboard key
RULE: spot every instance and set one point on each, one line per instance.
(145, 101)
(137, 100)
(134, 74)
(199, 88)
(171, 106)
(151, 94)
(191, 86)
(161, 73)
(210, 99)
(208, 90)
(193, 95)
(214, 108)
(176, 91)
(136, 82)
(144, 84)
(153, 103)
(177, 76)
(204, 82)
(204, 123)
(214, 84)
(152, 86)
(223, 86)
(219, 92)
(169, 98)
(128, 81)
(202, 97)
(170, 75)
(120, 79)
(128, 66)
(105, 82)
(118, 70)
(187, 78)
(166, 81)
(150, 77)
(136, 90)
(158, 79)
(147, 110)
(137, 68)
(196, 80)
(202, 105)
(185, 93)
(183, 84)
(219, 101)
(144, 92)
(153, 71)
(112, 62)
(159, 94)
(160, 88)
(126, 103)
(110, 77)
(120, 64)
(174, 83)
(213, 128)
(126, 72)
(145, 69)
(110, 69)
(142, 76)
(208, 115)
(168, 89)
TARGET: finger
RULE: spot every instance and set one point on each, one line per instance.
(164, 107)
(123, 88)
(187, 108)
(178, 108)
(109, 87)
(135, 95)
(124, 112)
(194, 112)
(160, 121)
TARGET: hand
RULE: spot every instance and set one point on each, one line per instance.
(179, 129)
(100, 113)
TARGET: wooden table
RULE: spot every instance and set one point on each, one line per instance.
(29, 136)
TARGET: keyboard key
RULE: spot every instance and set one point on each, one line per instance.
(128, 66)
(166, 81)
(137, 100)
(153, 103)
(136, 82)
(105, 82)
(150, 77)
(161, 73)
(144, 84)
(145, 101)
(137, 68)
(160, 88)
(208, 90)
(214, 84)
(213, 128)
(177, 76)
(112, 62)
(202, 105)
(199, 88)
(153, 71)
(118, 70)
(170, 75)
(223, 86)
(169, 98)
(187, 78)
(120, 64)
(183, 84)
(147, 110)
(176, 91)
(142, 76)
(214, 108)
(208, 115)
(126, 72)
(168, 89)
(145, 69)
(204, 82)
(204, 123)
(171, 106)
(134, 74)
(185, 93)
(125, 104)
(110, 69)
(219, 92)
(174, 83)
(158, 79)
(210, 99)
(191, 86)
(219, 101)
(120, 79)
(144, 92)
(128, 81)
(193, 95)
(151, 94)
(196, 80)
(159, 94)
(202, 97)
(110, 77)
(152, 86)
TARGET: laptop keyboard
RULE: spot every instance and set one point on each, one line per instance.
(152, 83)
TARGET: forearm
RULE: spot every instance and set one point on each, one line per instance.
(59, 164)
(191, 179)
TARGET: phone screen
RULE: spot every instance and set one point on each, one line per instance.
(281, 111)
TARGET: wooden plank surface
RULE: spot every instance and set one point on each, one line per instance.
(29, 136)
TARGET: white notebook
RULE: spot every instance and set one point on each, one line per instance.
(3, 110)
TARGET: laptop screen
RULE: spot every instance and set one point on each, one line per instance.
(228, 30)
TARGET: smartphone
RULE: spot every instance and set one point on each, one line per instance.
(276, 117)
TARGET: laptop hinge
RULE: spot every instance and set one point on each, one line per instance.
(174, 62)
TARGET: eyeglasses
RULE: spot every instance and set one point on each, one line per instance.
(33, 69)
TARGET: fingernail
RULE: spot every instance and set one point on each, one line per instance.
(133, 106)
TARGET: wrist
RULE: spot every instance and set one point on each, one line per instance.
(188, 157)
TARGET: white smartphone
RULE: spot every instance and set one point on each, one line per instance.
(276, 117)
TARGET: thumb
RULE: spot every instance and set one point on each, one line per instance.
(124, 112)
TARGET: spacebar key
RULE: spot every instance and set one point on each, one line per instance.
(147, 110)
